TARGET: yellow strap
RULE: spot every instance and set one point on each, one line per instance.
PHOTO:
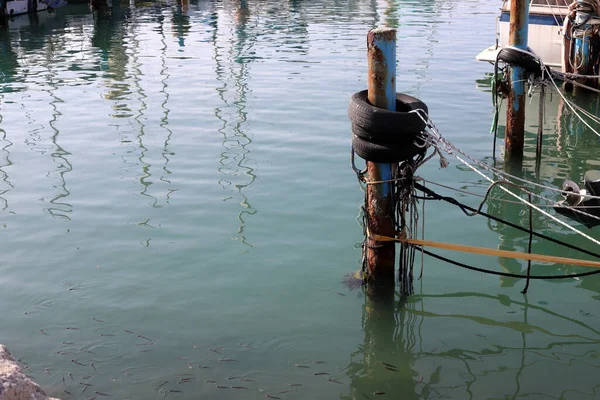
(490, 252)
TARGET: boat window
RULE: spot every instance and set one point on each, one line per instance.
(551, 2)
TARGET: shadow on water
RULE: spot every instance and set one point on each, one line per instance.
(402, 357)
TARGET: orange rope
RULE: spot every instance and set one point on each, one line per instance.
(489, 252)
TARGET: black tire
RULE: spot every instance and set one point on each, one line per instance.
(398, 137)
(518, 58)
(384, 125)
(386, 152)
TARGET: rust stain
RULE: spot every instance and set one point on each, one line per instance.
(381, 255)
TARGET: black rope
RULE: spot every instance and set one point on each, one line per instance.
(466, 208)
(507, 274)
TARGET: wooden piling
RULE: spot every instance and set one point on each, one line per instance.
(381, 47)
(515, 112)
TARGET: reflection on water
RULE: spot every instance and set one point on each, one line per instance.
(232, 72)
(401, 356)
(60, 208)
(155, 117)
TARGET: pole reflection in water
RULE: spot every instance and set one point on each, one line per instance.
(232, 71)
(401, 358)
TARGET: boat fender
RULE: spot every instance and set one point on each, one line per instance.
(573, 195)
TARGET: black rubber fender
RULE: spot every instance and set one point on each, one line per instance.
(389, 153)
(518, 58)
(405, 138)
(381, 125)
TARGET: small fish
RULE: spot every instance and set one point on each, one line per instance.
(72, 328)
(91, 398)
(181, 358)
(144, 337)
(295, 384)
(102, 394)
(216, 351)
(47, 371)
(388, 365)
(106, 334)
(85, 384)
(78, 363)
(29, 312)
(71, 376)
(232, 377)
(226, 359)
(204, 367)
(128, 331)
(86, 377)
(222, 387)
(320, 373)
(285, 391)
(301, 366)
(175, 391)
(390, 368)
(84, 388)
(162, 384)
(210, 381)
(239, 387)
(379, 393)
(42, 331)
(68, 343)
(67, 392)
(247, 380)
(93, 366)
(478, 335)
(320, 362)
(334, 381)
(269, 396)
(97, 320)
(145, 344)
(63, 380)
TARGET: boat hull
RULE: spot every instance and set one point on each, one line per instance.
(17, 7)
(545, 36)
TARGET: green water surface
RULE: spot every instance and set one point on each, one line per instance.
(176, 193)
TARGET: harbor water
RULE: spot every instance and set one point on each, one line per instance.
(179, 215)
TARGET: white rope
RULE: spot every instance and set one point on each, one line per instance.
(552, 217)
(571, 107)
(435, 138)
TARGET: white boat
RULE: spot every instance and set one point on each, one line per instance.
(547, 27)
(17, 7)
(10, 8)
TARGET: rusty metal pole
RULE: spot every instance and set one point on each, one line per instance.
(381, 47)
(515, 113)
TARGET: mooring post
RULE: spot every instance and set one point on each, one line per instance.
(515, 113)
(586, 44)
(381, 47)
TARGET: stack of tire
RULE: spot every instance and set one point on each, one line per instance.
(386, 136)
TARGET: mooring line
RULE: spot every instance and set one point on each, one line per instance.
(487, 251)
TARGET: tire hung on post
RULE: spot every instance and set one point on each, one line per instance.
(386, 136)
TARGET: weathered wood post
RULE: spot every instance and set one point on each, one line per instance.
(381, 47)
(515, 112)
